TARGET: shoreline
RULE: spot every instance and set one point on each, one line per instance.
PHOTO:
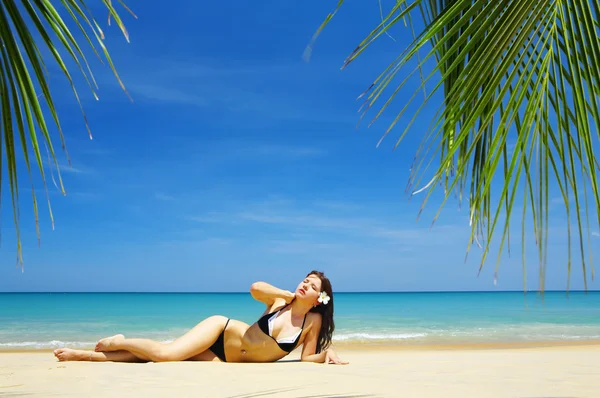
(387, 346)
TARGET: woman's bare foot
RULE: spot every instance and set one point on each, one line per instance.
(67, 354)
(108, 343)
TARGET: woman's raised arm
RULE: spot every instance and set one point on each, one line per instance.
(266, 293)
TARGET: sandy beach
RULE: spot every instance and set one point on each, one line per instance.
(542, 370)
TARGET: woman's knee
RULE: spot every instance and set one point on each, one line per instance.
(165, 354)
(217, 319)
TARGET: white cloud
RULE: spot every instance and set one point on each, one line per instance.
(595, 233)
(65, 168)
(232, 88)
(301, 246)
(364, 227)
(215, 241)
(208, 218)
(168, 94)
(163, 196)
(334, 205)
(254, 148)
(299, 220)
(281, 150)
(205, 242)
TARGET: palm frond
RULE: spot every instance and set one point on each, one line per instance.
(521, 86)
(24, 88)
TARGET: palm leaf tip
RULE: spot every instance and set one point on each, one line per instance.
(26, 29)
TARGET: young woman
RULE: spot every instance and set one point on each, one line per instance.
(290, 319)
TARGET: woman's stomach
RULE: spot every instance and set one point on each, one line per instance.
(250, 344)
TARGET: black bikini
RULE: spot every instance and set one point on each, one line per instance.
(287, 344)
(265, 323)
(218, 347)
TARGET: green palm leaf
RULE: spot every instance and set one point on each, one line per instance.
(520, 81)
(24, 88)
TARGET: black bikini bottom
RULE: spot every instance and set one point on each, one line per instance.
(218, 347)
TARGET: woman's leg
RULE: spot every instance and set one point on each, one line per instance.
(67, 354)
(194, 342)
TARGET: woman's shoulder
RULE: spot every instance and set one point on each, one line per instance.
(313, 318)
(278, 304)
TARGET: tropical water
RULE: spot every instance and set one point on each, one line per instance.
(49, 320)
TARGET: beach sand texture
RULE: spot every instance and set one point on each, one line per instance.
(555, 371)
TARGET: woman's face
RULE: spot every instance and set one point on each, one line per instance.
(309, 289)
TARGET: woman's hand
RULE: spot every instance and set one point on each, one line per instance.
(331, 357)
(267, 293)
(289, 296)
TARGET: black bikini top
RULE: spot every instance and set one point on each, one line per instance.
(287, 344)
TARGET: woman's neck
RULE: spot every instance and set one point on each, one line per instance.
(300, 308)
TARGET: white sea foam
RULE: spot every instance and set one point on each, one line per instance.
(376, 336)
(47, 344)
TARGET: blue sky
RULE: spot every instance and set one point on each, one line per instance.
(237, 161)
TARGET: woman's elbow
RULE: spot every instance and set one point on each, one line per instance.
(257, 290)
(255, 287)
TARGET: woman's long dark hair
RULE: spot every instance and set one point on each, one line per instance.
(326, 311)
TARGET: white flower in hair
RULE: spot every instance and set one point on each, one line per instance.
(324, 298)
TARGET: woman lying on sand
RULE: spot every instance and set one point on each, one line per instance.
(290, 319)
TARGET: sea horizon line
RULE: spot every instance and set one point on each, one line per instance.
(337, 292)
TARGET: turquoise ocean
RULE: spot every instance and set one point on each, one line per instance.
(51, 320)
